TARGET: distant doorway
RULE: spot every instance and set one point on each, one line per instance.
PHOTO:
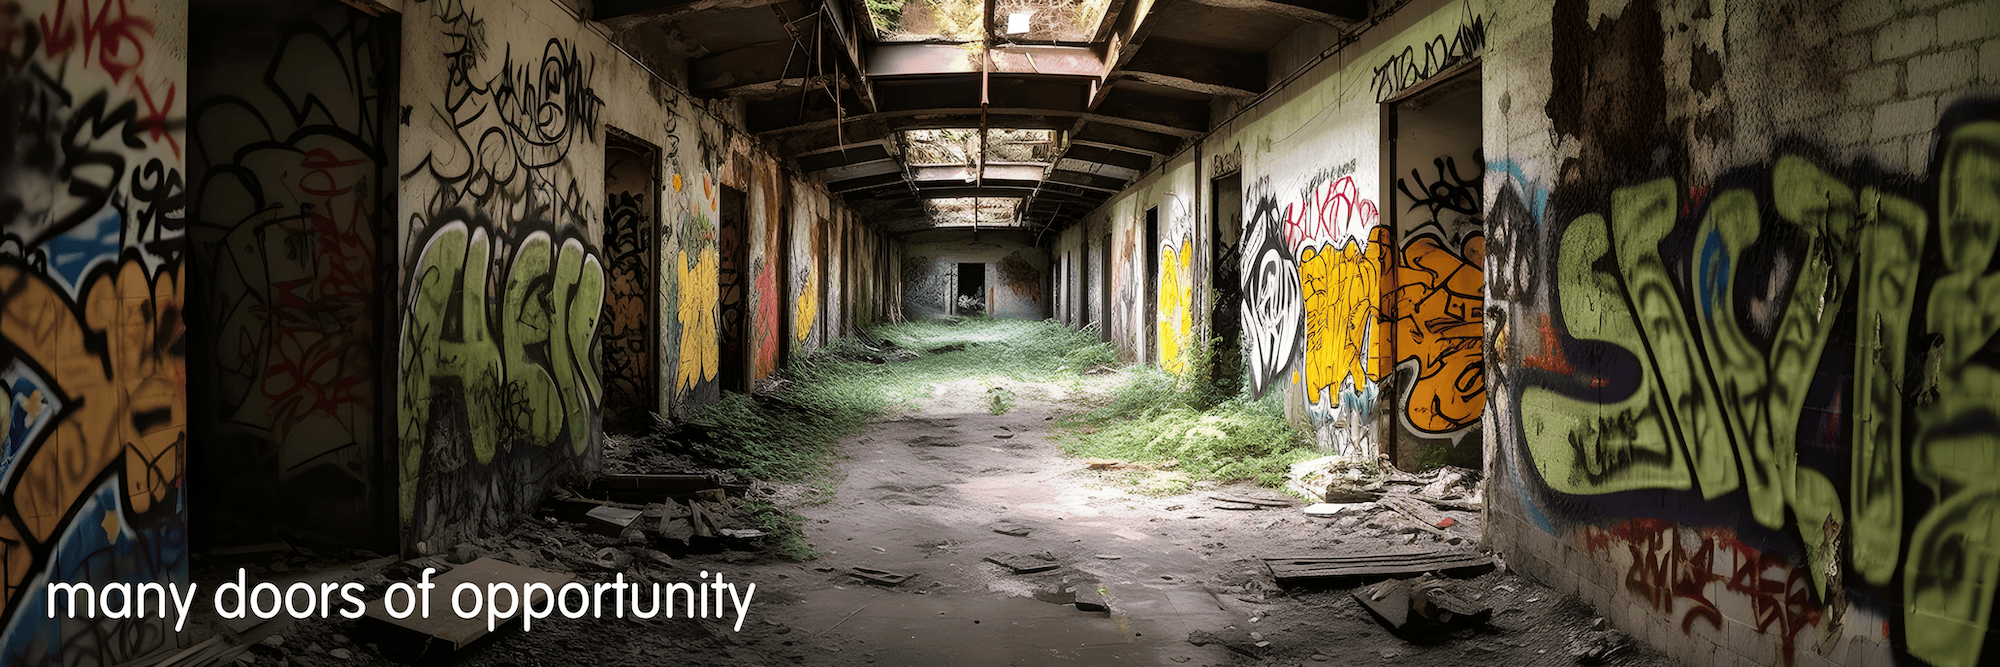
(971, 294)
(731, 326)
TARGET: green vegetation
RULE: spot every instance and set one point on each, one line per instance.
(1187, 425)
(999, 399)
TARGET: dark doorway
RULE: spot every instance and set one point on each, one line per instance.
(971, 290)
(631, 187)
(731, 326)
(1226, 282)
(1152, 313)
(1104, 289)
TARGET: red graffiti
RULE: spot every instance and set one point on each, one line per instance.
(1331, 212)
(317, 320)
(1670, 563)
(768, 337)
(114, 38)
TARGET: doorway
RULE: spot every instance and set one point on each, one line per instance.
(1104, 289)
(627, 330)
(1435, 290)
(970, 297)
(1226, 283)
(1152, 315)
(731, 327)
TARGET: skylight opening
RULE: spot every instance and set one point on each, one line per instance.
(960, 146)
(968, 211)
(1057, 21)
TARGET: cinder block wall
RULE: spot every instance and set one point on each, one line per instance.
(1735, 401)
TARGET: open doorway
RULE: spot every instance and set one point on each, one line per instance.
(1436, 291)
(971, 293)
(1226, 283)
(731, 326)
(1152, 314)
(628, 327)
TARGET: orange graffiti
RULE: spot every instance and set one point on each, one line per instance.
(1342, 289)
(115, 358)
(1440, 321)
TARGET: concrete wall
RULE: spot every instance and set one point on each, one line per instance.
(1731, 382)
(93, 418)
(1015, 272)
(503, 227)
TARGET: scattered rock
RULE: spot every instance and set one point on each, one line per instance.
(1320, 657)
(1389, 653)
(1241, 507)
(274, 641)
(1011, 528)
(341, 654)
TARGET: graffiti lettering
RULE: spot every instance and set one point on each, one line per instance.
(1176, 316)
(1440, 326)
(520, 361)
(1272, 303)
(1442, 52)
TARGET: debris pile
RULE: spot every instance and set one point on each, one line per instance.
(677, 512)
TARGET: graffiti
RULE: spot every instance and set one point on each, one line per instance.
(1443, 52)
(1675, 567)
(1450, 192)
(698, 355)
(768, 337)
(1176, 316)
(1272, 303)
(627, 344)
(1019, 276)
(1774, 346)
(515, 362)
(286, 233)
(1440, 326)
(93, 387)
(499, 141)
(1342, 289)
(1328, 213)
(805, 311)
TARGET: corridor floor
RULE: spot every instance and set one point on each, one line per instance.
(922, 490)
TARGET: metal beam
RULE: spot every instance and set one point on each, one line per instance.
(1197, 68)
(1306, 11)
(672, 10)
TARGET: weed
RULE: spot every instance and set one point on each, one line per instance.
(787, 525)
(1155, 416)
(999, 399)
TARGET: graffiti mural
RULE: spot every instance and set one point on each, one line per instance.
(1439, 301)
(1273, 307)
(93, 391)
(1176, 316)
(290, 199)
(1798, 342)
(499, 393)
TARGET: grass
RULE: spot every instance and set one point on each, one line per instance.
(1185, 425)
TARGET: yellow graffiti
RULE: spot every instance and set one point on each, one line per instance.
(1175, 317)
(1440, 323)
(807, 309)
(1342, 289)
(698, 357)
(125, 407)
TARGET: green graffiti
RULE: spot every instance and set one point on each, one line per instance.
(519, 368)
(1953, 564)
(1600, 446)
(1886, 286)
(1713, 409)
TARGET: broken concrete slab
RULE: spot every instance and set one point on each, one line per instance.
(1239, 507)
(448, 632)
(879, 576)
(1090, 597)
(1023, 563)
(1010, 528)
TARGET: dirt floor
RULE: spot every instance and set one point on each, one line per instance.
(921, 492)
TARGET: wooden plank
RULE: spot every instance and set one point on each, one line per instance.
(458, 632)
(610, 521)
(1326, 569)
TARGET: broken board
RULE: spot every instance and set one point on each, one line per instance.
(447, 628)
(1370, 567)
(1021, 563)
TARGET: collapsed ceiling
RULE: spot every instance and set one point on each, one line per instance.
(978, 113)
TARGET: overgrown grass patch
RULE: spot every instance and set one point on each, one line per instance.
(1164, 421)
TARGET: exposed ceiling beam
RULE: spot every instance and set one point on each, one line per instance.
(1196, 68)
(1340, 13)
(757, 63)
(612, 11)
